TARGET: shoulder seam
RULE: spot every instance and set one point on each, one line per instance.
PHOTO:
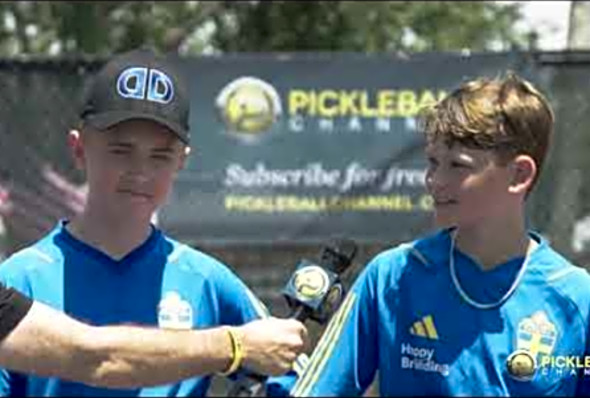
(406, 247)
(178, 250)
(561, 273)
(420, 257)
(568, 298)
(35, 252)
(197, 257)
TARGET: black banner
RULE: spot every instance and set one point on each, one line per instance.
(298, 148)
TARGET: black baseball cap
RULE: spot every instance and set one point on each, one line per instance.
(138, 85)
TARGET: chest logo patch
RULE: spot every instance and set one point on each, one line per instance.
(536, 335)
(174, 312)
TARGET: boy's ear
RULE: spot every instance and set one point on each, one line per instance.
(183, 156)
(524, 171)
(75, 144)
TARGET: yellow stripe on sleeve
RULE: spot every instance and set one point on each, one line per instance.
(300, 364)
(318, 350)
(324, 349)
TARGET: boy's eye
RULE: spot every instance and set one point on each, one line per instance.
(458, 165)
(119, 151)
(161, 157)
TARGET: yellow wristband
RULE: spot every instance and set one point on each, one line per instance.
(237, 352)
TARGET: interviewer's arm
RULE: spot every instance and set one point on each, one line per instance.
(50, 343)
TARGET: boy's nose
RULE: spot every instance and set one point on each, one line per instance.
(138, 165)
(436, 182)
(432, 178)
(138, 172)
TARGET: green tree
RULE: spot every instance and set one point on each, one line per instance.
(194, 27)
(97, 27)
(367, 26)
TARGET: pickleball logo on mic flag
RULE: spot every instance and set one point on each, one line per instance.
(311, 282)
(248, 107)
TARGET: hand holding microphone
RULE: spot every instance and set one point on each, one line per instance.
(271, 345)
(315, 292)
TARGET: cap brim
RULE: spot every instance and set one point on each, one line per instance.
(106, 120)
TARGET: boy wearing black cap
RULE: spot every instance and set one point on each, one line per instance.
(110, 265)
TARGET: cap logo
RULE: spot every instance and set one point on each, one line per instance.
(145, 84)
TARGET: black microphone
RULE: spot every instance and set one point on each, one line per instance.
(314, 292)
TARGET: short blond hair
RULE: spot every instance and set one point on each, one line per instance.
(507, 115)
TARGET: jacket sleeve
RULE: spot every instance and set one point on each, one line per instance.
(337, 366)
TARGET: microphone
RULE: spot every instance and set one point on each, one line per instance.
(314, 292)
